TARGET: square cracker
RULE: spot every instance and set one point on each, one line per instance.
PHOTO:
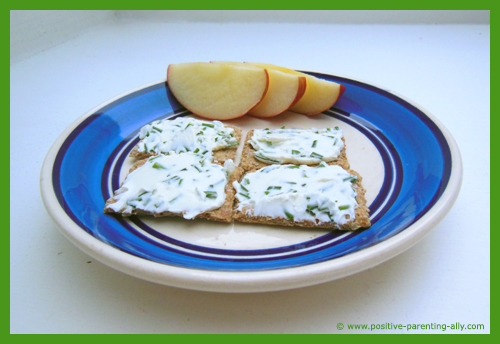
(362, 219)
(220, 156)
(222, 214)
(248, 161)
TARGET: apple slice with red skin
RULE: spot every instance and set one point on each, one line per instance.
(320, 95)
(217, 91)
(284, 91)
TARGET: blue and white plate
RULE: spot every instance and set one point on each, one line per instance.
(410, 164)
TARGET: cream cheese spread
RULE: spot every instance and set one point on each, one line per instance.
(186, 183)
(297, 146)
(185, 134)
(300, 193)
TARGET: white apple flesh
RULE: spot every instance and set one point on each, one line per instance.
(217, 91)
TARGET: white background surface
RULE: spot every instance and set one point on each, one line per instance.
(443, 279)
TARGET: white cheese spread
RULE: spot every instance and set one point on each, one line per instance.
(185, 134)
(186, 183)
(297, 146)
(300, 193)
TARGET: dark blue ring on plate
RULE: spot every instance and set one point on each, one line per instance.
(82, 165)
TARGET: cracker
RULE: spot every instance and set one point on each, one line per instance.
(220, 156)
(222, 214)
(248, 161)
(362, 219)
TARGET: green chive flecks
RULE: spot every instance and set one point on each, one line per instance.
(233, 144)
(344, 207)
(314, 143)
(351, 179)
(261, 157)
(290, 216)
(283, 127)
(244, 195)
(336, 128)
(266, 192)
(196, 150)
(208, 125)
(159, 166)
(171, 200)
(180, 181)
(274, 188)
(246, 181)
(197, 168)
(316, 155)
(157, 129)
(294, 166)
(187, 126)
(295, 152)
(211, 194)
(204, 152)
(244, 188)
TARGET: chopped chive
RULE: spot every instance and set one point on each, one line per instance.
(304, 175)
(231, 134)
(336, 128)
(351, 179)
(295, 152)
(157, 129)
(180, 181)
(244, 195)
(196, 150)
(314, 143)
(172, 199)
(216, 138)
(274, 188)
(344, 207)
(157, 205)
(246, 181)
(290, 216)
(266, 192)
(145, 192)
(187, 126)
(196, 168)
(147, 134)
(199, 133)
(204, 152)
(233, 144)
(311, 207)
(261, 157)
(244, 188)
(156, 157)
(316, 155)
(208, 125)
(268, 132)
(211, 194)
(324, 210)
(266, 128)
(159, 166)
(303, 184)
(294, 166)
(283, 127)
(291, 182)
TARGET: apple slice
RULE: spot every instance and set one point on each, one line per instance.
(320, 95)
(217, 91)
(284, 91)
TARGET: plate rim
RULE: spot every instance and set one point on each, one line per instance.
(250, 281)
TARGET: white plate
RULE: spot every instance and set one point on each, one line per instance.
(410, 188)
